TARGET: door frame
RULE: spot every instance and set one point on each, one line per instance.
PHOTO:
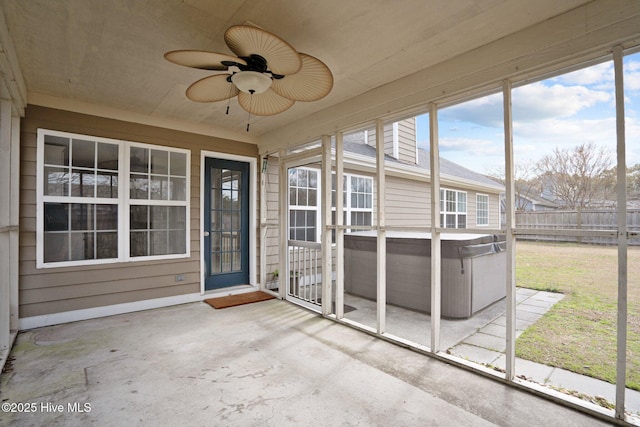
(253, 169)
(304, 159)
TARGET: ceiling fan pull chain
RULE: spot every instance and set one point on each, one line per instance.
(230, 96)
(250, 102)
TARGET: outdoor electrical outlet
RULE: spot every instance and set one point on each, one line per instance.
(180, 278)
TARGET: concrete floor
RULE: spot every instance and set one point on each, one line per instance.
(269, 363)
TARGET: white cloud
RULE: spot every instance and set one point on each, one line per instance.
(469, 145)
(535, 101)
(600, 75)
(632, 88)
(485, 111)
(538, 101)
(564, 111)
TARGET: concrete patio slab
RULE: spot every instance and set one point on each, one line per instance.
(268, 364)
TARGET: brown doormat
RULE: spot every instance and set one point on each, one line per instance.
(238, 299)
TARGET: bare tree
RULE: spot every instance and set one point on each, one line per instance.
(633, 182)
(576, 176)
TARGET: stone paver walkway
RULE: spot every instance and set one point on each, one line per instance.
(487, 346)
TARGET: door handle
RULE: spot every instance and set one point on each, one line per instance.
(206, 234)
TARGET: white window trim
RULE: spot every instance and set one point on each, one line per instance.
(396, 140)
(315, 208)
(478, 195)
(122, 201)
(139, 202)
(456, 213)
(347, 209)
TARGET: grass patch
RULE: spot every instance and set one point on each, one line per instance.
(579, 332)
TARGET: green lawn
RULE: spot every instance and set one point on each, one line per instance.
(579, 332)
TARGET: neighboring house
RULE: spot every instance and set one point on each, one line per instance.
(526, 201)
(534, 203)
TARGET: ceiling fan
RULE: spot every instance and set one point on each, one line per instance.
(267, 74)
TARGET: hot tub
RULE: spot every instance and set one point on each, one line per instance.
(473, 270)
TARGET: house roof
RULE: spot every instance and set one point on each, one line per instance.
(448, 167)
(106, 57)
(353, 144)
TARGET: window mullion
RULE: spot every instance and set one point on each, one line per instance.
(124, 216)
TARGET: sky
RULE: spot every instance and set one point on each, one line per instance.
(564, 111)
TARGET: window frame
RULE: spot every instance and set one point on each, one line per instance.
(347, 205)
(479, 211)
(122, 201)
(306, 208)
(444, 211)
(347, 208)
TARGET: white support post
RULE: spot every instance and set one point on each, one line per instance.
(14, 217)
(339, 223)
(263, 222)
(283, 192)
(510, 237)
(436, 260)
(621, 189)
(382, 233)
(326, 221)
(5, 223)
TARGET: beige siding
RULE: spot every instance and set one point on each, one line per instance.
(407, 202)
(407, 140)
(273, 216)
(52, 290)
(388, 140)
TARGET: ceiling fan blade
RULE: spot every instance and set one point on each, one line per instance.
(314, 81)
(202, 59)
(211, 89)
(245, 40)
(265, 104)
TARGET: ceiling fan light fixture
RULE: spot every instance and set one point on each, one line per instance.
(251, 82)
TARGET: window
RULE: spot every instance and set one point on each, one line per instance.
(90, 198)
(453, 209)
(157, 201)
(358, 200)
(304, 202)
(482, 209)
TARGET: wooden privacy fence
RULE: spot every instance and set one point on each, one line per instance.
(580, 219)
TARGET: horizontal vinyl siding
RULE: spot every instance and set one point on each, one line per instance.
(388, 139)
(407, 202)
(53, 290)
(273, 216)
(407, 140)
